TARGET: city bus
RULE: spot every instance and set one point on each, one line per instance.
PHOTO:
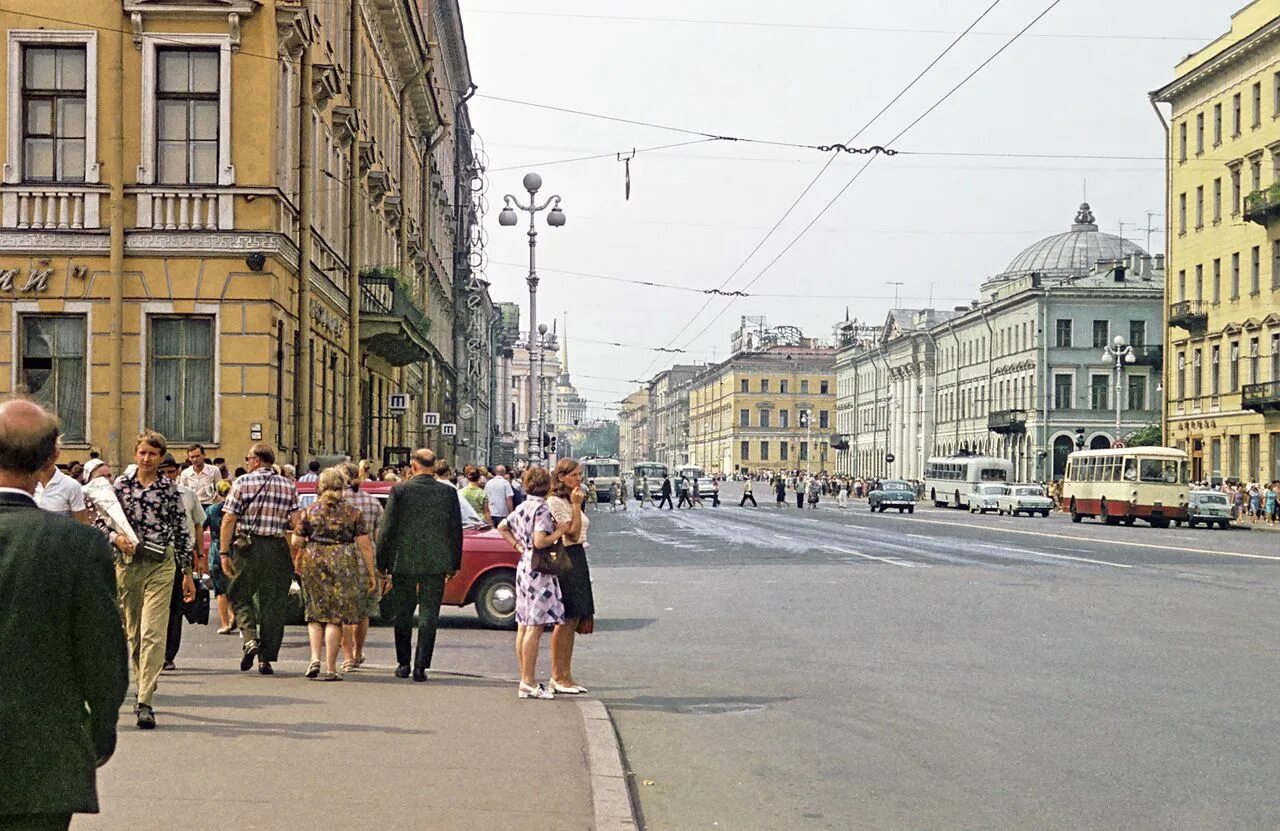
(605, 472)
(652, 474)
(694, 473)
(1123, 485)
(948, 480)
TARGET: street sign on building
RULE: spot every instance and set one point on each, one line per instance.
(888, 458)
(397, 402)
(430, 419)
(448, 429)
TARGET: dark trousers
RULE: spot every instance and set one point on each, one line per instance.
(799, 499)
(35, 822)
(666, 497)
(174, 640)
(747, 496)
(424, 592)
(684, 500)
(260, 593)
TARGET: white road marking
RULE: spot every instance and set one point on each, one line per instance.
(1102, 541)
(890, 560)
(1053, 556)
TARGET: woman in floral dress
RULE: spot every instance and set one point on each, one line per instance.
(538, 600)
(330, 541)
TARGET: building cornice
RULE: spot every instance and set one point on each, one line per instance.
(1238, 51)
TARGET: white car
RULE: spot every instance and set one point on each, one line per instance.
(1024, 499)
(983, 497)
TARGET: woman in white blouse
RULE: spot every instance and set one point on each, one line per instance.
(575, 586)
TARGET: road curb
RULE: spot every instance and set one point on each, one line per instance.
(610, 791)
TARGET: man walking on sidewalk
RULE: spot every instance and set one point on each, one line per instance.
(419, 547)
(62, 649)
(500, 495)
(259, 511)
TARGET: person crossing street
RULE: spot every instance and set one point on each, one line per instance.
(747, 494)
(665, 493)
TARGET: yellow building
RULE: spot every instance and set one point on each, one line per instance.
(1222, 370)
(772, 409)
(169, 167)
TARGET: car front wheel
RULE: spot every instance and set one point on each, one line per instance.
(496, 600)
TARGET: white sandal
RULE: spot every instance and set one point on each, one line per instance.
(540, 691)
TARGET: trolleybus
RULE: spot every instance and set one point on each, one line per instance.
(652, 474)
(605, 472)
(1127, 484)
(949, 480)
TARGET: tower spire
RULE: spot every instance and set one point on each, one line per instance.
(564, 359)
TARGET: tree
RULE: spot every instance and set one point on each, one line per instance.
(1149, 436)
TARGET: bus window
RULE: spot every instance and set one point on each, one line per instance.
(1113, 468)
(1131, 470)
(1160, 470)
(1182, 473)
(992, 474)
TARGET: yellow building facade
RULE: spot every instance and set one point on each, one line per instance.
(1222, 341)
(770, 410)
(229, 221)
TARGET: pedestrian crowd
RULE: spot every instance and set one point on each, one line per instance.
(1252, 502)
(99, 571)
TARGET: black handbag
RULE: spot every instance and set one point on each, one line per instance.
(554, 560)
(197, 611)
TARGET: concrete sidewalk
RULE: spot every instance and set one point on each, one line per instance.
(246, 751)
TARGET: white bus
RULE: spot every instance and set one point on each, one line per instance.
(693, 473)
(1147, 483)
(948, 480)
(652, 474)
(605, 472)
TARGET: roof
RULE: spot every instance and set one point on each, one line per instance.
(1074, 253)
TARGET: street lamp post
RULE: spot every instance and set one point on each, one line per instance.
(507, 218)
(1122, 352)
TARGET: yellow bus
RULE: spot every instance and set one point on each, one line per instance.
(1127, 484)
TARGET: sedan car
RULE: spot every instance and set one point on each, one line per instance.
(1210, 507)
(983, 498)
(488, 574)
(1024, 499)
(893, 493)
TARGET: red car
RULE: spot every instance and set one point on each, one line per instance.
(488, 574)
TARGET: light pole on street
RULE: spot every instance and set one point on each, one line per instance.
(507, 218)
(1122, 352)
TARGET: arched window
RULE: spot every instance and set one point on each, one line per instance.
(1062, 447)
(1099, 442)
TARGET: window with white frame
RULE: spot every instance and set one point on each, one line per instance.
(187, 116)
(180, 390)
(51, 367)
(53, 113)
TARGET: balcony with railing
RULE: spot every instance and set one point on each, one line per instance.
(392, 324)
(52, 206)
(1148, 356)
(1263, 206)
(1189, 314)
(1262, 397)
(1007, 421)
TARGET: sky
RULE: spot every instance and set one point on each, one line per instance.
(933, 218)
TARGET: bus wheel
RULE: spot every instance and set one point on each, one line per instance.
(1158, 522)
(1107, 518)
(1075, 517)
(1129, 520)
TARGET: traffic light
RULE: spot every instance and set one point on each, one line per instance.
(546, 439)
(1079, 438)
(553, 444)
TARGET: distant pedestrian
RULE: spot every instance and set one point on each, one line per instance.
(614, 499)
(747, 493)
(331, 539)
(696, 500)
(419, 548)
(642, 493)
(799, 492)
(63, 659)
(59, 493)
(260, 510)
(715, 492)
(313, 472)
(538, 596)
(474, 493)
(682, 491)
(813, 494)
(665, 493)
(220, 581)
(354, 637)
(195, 517)
(575, 585)
(500, 495)
(842, 495)
(146, 571)
(780, 488)
(199, 476)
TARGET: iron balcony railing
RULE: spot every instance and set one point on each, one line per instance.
(1188, 313)
(1007, 421)
(384, 295)
(1263, 206)
(1261, 397)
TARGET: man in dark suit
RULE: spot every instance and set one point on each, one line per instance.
(62, 648)
(665, 493)
(419, 548)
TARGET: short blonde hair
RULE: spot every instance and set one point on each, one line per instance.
(151, 437)
(332, 485)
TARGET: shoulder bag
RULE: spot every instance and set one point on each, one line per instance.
(553, 560)
(243, 538)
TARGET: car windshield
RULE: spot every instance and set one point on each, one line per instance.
(896, 486)
(1032, 491)
(1211, 498)
(992, 490)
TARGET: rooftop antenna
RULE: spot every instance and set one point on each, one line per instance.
(1151, 229)
(930, 306)
(895, 284)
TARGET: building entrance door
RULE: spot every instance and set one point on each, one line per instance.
(1197, 458)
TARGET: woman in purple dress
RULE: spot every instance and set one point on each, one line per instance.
(538, 600)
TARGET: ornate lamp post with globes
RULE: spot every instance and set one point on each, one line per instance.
(507, 218)
(1122, 352)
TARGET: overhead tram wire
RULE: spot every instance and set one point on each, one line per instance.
(830, 161)
(871, 159)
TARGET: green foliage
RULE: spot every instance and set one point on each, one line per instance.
(1149, 436)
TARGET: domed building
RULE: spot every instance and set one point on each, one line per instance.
(1018, 374)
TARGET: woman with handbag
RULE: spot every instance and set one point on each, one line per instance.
(531, 530)
(575, 585)
(333, 539)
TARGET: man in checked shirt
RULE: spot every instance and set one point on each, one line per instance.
(262, 508)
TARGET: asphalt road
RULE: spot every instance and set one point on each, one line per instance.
(773, 668)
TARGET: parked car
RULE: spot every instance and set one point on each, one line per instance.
(983, 498)
(488, 574)
(1210, 507)
(1024, 499)
(893, 493)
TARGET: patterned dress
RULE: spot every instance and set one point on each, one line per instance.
(538, 599)
(333, 582)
